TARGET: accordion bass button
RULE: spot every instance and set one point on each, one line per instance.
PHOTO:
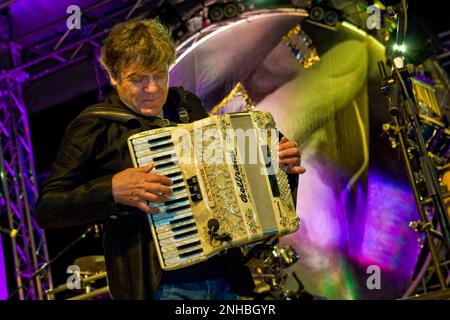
(194, 189)
(192, 181)
(196, 197)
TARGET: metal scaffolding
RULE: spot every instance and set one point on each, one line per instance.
(18, 190)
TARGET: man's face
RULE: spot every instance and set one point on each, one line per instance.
(144, 90)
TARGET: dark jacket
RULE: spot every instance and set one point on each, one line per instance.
(79, 191)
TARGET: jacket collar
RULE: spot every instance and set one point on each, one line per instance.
(113, 108)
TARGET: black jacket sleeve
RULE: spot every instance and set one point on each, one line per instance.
(74, 194)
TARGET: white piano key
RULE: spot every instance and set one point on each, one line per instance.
(163, 207)
(175, 245)
(140, 147)
(162, 218)
(173, 254)
(169, 226)
(150, 148)
(170, 241)
(147, 152)
(168, 218)
(145, 139)
(179, 260)
(144, 160)
(177, 185)
(172, 234)
(178, 194)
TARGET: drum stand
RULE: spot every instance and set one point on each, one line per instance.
(50, 293)
(405, 130)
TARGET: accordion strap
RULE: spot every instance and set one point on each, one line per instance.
(110, 113)
(120, 115)
(179, 100)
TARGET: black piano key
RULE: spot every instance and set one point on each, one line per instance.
(161, 146)
(178, 208)
(188, 225)
(177, 181)
(165, 157)
(163, 165)
(159, 139)
(178, 188)
(180, 220)
(192, 244)
(168, 203)
(182, 235)
(173, 174)
(187, 254)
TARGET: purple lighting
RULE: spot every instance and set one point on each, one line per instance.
(3, 286)
(388, 241)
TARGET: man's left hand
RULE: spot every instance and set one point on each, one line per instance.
(290, 155)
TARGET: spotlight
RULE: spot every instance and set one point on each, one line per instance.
(316, 13)
(399, 48)
(324, 15)
(216, 13)
(230, 10)
(331, 18)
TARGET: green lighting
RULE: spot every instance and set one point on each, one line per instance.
(401, 48)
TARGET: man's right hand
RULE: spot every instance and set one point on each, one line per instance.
(135, 186)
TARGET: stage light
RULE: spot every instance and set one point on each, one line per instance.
(226, 9)
(400, 48)
(216, 13)
(324, 15)
(316, 13)
(231, 10)
(331, 18)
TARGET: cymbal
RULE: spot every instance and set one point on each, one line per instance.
(91, 264)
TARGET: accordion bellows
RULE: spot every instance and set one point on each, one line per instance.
(227, 188)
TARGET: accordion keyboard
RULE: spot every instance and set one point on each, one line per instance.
(214, 205)
(175, 225)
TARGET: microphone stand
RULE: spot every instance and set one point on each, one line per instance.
(406, 127)
(38, 272)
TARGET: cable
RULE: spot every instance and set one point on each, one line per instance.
(405, 17)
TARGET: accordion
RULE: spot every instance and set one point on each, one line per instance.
(227, 188)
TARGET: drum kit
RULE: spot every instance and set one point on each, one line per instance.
(90, 274)
(86, 276)
(269, 263)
